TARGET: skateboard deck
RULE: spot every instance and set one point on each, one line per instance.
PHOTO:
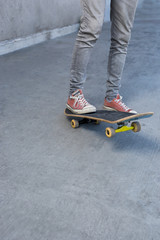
(113, 117)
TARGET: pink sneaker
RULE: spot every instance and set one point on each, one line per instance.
(78, 104)
(117, 105)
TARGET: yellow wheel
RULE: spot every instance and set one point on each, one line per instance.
(136, 126)
(74, 123)
(110, 132)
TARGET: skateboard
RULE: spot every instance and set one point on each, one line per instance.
(125, 121)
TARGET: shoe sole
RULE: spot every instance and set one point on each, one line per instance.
(110, 109)
(80, 111)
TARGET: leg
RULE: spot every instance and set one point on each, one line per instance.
(122, 17)
(91, 25)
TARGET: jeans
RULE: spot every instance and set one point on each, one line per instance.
(122, 17)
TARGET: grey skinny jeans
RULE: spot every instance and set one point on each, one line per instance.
(122, 17)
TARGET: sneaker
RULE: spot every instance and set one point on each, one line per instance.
(117, 105)
(78, 104)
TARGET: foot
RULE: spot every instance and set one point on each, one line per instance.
(117, 105)
(78, 104)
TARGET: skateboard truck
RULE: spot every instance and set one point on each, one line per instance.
(135, 127)
(110, 131)
(75, 123)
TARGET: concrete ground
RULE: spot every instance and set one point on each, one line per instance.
(58, 183)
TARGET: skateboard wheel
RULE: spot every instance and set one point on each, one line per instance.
(110, 132)
(136, 126)
(74, 123)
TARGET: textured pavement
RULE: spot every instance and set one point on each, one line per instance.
(59, 183)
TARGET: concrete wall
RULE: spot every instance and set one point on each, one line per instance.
(107, 11)
(21, 18)
(27, 22)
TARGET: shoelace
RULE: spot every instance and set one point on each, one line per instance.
(121, 104)
(80, 99)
